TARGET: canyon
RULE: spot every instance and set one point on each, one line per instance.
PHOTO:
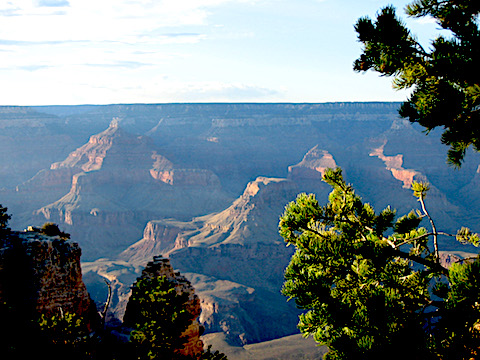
(41, 282)
(204, 185)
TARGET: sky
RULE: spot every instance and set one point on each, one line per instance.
(68, 52)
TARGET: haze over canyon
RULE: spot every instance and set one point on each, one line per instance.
(205, 184)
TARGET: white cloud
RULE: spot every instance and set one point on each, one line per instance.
(53, 3)
(212, 91)
(118, 34)
(106, 19)
(425, 20)
(113, 51)
(113, 20)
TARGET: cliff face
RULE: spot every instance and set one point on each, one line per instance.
(313, 165)
(229, 244)
(118, 182)
(159, 237)
(144, 169)
(41, 275)
(235, 262)
(161, 267)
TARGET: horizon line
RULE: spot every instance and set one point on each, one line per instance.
(214, 103)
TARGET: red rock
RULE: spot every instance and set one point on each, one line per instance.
(42, 275)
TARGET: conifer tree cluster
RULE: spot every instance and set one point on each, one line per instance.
(158, 316)
(373, 286)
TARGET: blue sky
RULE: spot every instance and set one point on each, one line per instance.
(158, 51)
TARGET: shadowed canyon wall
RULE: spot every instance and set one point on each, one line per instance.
(205, 184)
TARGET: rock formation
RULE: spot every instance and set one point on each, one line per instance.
(394, 165)
(118, 183)
(41, 275)
(233, 236)
(313, 165)
(235, 259)
(187, 162)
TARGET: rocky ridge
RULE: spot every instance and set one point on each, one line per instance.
(234, 261)
(215, 244)
(313, 165)
(42, 275)
(104, 199)
(379, 153)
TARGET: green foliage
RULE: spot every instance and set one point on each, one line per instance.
(465, 236)
(461, 315)
(158, 316)
(61, 336)
(66, 335)
(51, 229)
(62, 329)
(406, 224)
(445, 79)
(420, 189)
(4, 218)
(367, 295)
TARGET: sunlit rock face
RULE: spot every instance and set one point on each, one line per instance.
(118, 183)
(42, 275)
(205, 184)
(234, 260)
(313, 165)
(394, 165)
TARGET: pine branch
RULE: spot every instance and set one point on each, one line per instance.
(435, 265)
(467, 259)
(435, 240)
(424, 236)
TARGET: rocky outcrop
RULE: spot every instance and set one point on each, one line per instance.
(447, 260)
(394, 165)
(118, 183)
(312, 166)
(41, 275)
(160, 267)
(92, 155)
(241, 259)
(159, 237)
(242, 223)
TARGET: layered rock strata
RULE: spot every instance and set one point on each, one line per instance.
(313, 165)
(42, 275)
(394, 164)
(236, 261)
(118, 182)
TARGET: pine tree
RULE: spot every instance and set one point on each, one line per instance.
(369, 295)
(158, 316)
(445, 79)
